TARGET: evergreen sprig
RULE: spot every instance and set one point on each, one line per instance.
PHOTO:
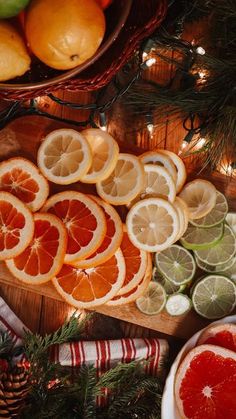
(6, 344)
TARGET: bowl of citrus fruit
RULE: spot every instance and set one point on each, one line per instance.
(43, 42)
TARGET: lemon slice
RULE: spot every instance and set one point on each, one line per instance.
(176, 264)
(160, 159)
(152, 224)
(153, 299)
(124, 183)
(231, 220)
(158, 182)
(178, 304)
(183, 216)
(202, 238)
(200, 196)
(221, 252)
(64, 156)
(223, 267)
(180, 168)
(216, 215)
(105, 153)
(214, 296)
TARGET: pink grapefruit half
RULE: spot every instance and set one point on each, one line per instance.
(223, 335)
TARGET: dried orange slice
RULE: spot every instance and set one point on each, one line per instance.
(105, 153)
(160, 159)
(124, 183)
(200, 196)
(87, 288)
(16, 226)
(84, 220)
(137, 291)
(136, 261)
(44, 256)
(64, 156)
(22, 178)
(180, 167)
(112, 240)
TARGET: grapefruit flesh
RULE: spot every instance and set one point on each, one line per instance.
(223, 335)
(205, 385)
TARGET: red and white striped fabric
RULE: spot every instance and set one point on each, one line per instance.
(103, 354)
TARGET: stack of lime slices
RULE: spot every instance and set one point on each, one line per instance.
(209, 244)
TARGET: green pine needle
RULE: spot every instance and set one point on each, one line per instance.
(6, 344)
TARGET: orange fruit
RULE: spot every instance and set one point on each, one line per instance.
(84, 220)
(112, 239)
(15, 60)
(87, 288)
(64, 34)
(137, 291)
(22, 178)
(136, 261)
(44, 256)
(16, 226)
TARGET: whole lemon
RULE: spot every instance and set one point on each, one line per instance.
(14, 59)
(10, 8)
(64, 34)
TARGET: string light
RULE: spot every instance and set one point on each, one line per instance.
(150, 62)
(145, 55)
(103, 121)
(200, 143)
(200, 51)
(201, 74)
(228, 169)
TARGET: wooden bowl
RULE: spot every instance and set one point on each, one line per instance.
(41, 76)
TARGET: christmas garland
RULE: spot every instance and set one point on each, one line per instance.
(38, 388)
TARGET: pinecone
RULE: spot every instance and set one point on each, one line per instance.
(14, 387)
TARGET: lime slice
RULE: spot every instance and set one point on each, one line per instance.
(223, 267)
(216, 215)
(231, 271)
(176, 264)
(214, 296)
(178, 304)
(221, 252)
(169, 287)
(153, 300)
(202, 238)
(231, 220)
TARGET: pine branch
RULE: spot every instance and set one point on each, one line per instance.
(6, 344)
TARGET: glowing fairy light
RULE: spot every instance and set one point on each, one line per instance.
(200, 143)
(150, 62)
(145, 55)
(200, 51)
(103, 121)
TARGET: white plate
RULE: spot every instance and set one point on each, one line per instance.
(168, 407)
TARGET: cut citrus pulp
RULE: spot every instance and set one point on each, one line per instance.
(132, 295)
(221, 252)
(196, 238)
(178, 304)
(87, 288)
(216, 215)
(205, 384)
(183, 214)
(105, 153)
(180, 168)
(160, 159)
(214, 296)
(111, 241)
(136, 261)
(215, 268)
(16, 226)
(22, 178)
(170, 287)
(176, 264)
(44, 256)
(200, 196)
(124, 183)
(64, 156)
(231, 220)
(158, 182)
(153, 300)
(152, 224)
(223, 335)
(84, 220)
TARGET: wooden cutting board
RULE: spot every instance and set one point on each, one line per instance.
(22, 138)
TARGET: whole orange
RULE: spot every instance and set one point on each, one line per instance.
(64, 34)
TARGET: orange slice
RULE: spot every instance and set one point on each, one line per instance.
(105, 153)
(111, 241)
(22, 178)
(16, 226)
(136, 264)
(44, 256)
(137, 291)
(160, 159)
(64, 156)
(84, 220)
(87, 288)
(180, 167)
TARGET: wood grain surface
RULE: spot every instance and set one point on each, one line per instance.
(40, 307)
